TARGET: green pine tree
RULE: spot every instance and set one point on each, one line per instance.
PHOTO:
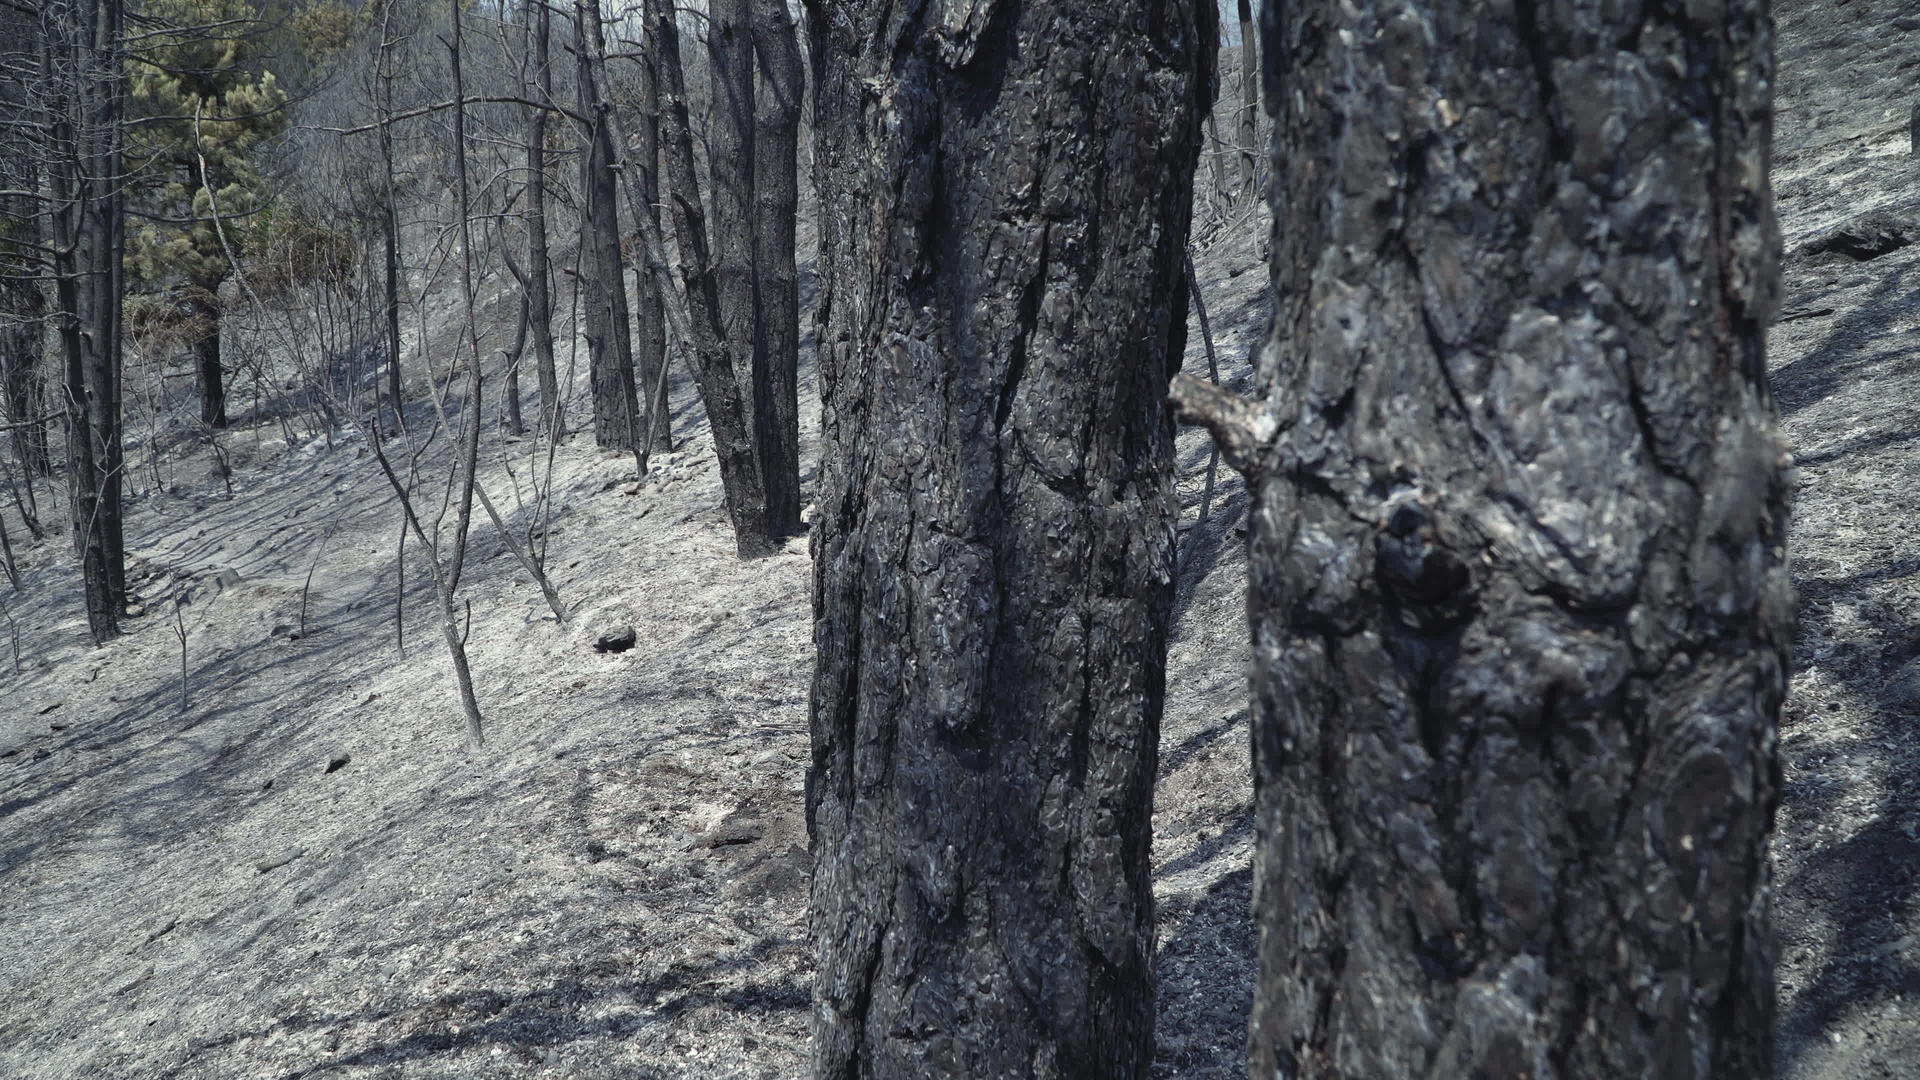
(202, 105)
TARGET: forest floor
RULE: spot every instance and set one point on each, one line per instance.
(616, 885)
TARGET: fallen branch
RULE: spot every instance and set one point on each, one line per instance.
(1241, 428)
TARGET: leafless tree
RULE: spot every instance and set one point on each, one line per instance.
(776, 283)
(76, 120)
(713, 367)
(609, 326)
(539, 269)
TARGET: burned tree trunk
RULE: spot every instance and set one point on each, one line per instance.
(730, 130)
(641, 168)
(82, 67)
(23, 309)
(713, 371)
(1249, 105)
(603, 279)
(22, 329)
(1005, 207)
(207, 362)
(776, 289)
(1519, 598)
(390, 230)
(539, 263)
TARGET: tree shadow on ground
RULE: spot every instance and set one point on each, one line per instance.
(1203, 546)
(1206, 972)
(1855, 345)
(1191, 746)
(527, 1023)
(130, 737)
(1848, 908)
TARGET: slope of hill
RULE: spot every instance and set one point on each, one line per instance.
(301, 872)
(1845, 377)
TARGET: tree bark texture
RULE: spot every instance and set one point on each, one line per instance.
(1249, 104)
(776, 290)
(1519, 598)
(730, 130)
(516, 421)
(1006, 192)
(23, 307)
(390, 239)
(539, 262)
(212, 373)
(713, 372)
(109, 358)
(82, 67)
(641, 167)
(21, 370)
(609, 333)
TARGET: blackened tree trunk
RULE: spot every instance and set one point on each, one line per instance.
(776, 288)
(641, 169)
(212, 373)
(22, 327)
(516, 421)
(1005, 207)
(390, 283)
(23, 309)
(82, 66)
(110, 235)
(390, 231)
(539, 262)
(713, 372)
(1519, 598)
(603, 282)
(1249, 104)
(730, 129)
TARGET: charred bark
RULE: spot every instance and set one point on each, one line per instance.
(23, 308)
(1519, 598)
(1249, 104)
(641, 169)
(608, 331)
(730, 129)
(82, 64)
(390, 238)
(713, 370)
(1005, 204)
(539, 286)
(776, 286)
(212, 373)
(22, 359)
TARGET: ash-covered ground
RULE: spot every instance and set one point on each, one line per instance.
(303, 872)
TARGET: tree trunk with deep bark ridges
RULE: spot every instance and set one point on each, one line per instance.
(713, 372)
(730, 161)
(776, 290)
(212, 371)
(1519, 598)
(539, 262)
(1005, 204)
(603, 279)
(641, 167)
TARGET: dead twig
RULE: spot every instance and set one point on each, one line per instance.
(180, 632)
(1213, 373)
